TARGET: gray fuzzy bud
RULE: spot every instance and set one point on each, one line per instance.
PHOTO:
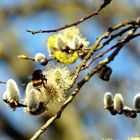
(60, 43)
(28, 87)
(5, 95)
(39, 57)
(11, 95)
(12, 90)
(108, 100)
(118, 103)
(136, 101)
(33, 103)
(32, 100)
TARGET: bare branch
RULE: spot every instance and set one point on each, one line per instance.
(109, 49)
(96, 12)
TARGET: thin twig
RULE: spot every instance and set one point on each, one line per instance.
(117, 34)
(96, 46)
(108, 50)
(96, 12)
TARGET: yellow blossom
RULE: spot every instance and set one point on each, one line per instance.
(64, 45)
(52, 41)
(66, 58)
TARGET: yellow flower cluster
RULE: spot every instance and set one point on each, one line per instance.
(66, 58)
(52, 42)
(65, 45)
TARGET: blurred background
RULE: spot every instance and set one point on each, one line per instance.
(84, 118)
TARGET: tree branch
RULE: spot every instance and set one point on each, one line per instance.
(96, 12)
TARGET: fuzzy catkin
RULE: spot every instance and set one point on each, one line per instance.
(60, 76)
(118, 103)
(39, 57)
(108, 100)
(32, 99)
(12, 90)
(33, 103)
(136, 101)
(11, 95)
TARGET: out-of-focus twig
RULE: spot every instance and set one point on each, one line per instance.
(9, 129)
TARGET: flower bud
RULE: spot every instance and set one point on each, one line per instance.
(40, 58)
(105, 73)
(138, 20)
(11, 95)
(60, 43)
(22, 56)
(28, 87)
(118, 103)
(33, 103)
(128, 112)
(108, 100)
(134, 114)
(136, 101)
(44, 62)
(12, 89)
(76, 42)
(113, 112)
